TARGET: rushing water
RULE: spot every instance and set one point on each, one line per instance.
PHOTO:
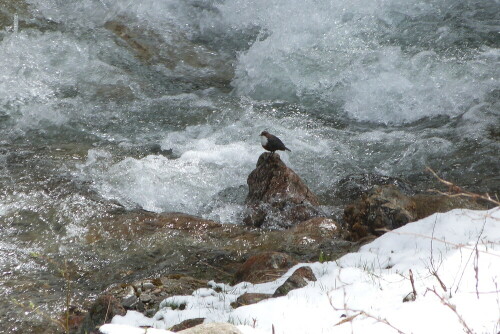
(158, 105)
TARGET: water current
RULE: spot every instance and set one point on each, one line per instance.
(112, 105)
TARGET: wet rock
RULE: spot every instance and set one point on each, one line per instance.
(386, 208)
(426, 204)
(178, 53)
(102, 311)
(299, 279)
(213, 328)
(263, 267)
(146, 295)
(315, 230)
(249, 299)
(383, 208)
(189, 323)
(277, 196)
(145, 298)
(354, 186)
(76, 316)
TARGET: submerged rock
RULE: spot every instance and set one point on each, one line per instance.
(277, 196)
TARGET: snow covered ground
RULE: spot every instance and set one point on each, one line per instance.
(454, 258)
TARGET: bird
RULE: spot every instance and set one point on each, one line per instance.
(272, 143)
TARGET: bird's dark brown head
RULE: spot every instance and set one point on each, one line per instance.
(265, 133)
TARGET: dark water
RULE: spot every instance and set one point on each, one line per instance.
(108, 105)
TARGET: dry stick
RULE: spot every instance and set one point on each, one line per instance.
(368, 315)
(456, 191)
(434, 270)
(454, 309)
(107, 311)
(477, 256)
(358, 313)
(413, 285)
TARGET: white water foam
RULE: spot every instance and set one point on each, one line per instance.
(39, 68)
(339, 53)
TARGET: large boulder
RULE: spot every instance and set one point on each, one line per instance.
(385, 208)
(277, 196)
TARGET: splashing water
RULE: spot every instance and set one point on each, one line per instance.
(110, 105)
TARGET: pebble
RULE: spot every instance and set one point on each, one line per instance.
(145, 298)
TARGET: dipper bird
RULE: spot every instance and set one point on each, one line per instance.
(272, 143)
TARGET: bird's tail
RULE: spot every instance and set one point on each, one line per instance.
(287, 149)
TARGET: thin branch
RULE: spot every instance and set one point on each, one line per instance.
(413, 284)
(454, 309)
(456, 191)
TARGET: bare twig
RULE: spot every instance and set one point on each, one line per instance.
(456, 191)
(433, 270)
(107, 311)
(476, 251)
(358, 313)
(454, 309)
(413, 284)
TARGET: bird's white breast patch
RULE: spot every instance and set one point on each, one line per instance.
(263, 140)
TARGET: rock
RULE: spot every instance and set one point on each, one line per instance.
(426, 204)
(299, 279)
(145, 298)
(212, 328)
(102, 311)
(277, 196)
(354, 186)
(263, 267)
(383, 208)
(315, 230)
(249, 299)
(386, 208)
(146, 295)
(187, 324)
(177, 52)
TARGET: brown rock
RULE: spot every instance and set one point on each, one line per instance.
(187, 324)
(426, 205)
(315, 230)
(102, 311)
(298, 279)
(383, 208)
(249, 299)
(263, 267)
(386, 208)
(277, 196)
